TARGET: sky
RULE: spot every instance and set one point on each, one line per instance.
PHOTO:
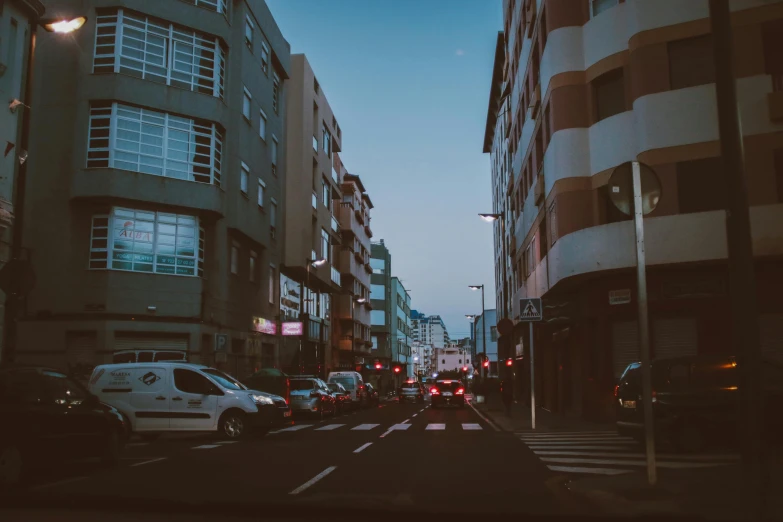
(408, 81)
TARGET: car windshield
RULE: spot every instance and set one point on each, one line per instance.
(410, 385)
(225, 380)
(302, 384)
(335, 387)
(347, 382)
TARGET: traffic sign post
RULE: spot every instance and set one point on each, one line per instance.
(531, 311)
(221, 342)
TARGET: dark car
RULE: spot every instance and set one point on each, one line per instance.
(50, 417)
(411, 390)
(341, 395)
(447, 392)
(270, 380)
(695, 401)
(373, 398)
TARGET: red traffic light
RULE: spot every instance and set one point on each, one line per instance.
(378, 366)
(509, 362)
(464, 368)
(397, 369)
(486, 364)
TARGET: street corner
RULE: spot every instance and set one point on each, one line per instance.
(626, 495)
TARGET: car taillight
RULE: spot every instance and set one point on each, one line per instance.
(654, 398)
(616, 389)
(434, 391)
(460, 391)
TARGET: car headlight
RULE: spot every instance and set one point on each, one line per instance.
(260, 399)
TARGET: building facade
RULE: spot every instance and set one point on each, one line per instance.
(166, 180)
(401, 324)
(486, 327)
(381, 301)
(577, 91)
(430, 330)
(451, 358)
(18, 21)
(311, 234)
(352, 307)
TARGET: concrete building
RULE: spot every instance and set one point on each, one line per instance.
(310, 231)
(577, 91)
(430, 330)
(352, 307)
(18, 21)
(380, 298)
(401, 324)
(164, 171)
(490, 318)
(451, 358)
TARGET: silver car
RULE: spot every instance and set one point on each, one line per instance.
(411, 391)
(311, 395)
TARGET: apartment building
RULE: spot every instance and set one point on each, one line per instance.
(452, 358)
(381, 301)
(157, 153)
(352, 307)
(580, 87)
(486, 333)
(18, 21)
(310, 232)
(401, 324)
(429, 330)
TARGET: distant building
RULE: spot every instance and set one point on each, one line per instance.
(401, 324)
(380, 298)
(490, 318)
(430, 330)
(452, 358)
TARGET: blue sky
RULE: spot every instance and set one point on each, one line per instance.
(408, 81)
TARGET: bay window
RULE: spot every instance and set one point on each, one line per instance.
(145, 241)
(131, 43)
(141, 140)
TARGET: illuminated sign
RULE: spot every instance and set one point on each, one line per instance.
(264, 326)
(293, 328)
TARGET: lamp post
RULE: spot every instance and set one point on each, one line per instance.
(306, 288)
(483, 330)
(18, 267)
(354, 300)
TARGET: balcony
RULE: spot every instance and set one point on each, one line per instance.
(368, 230)
(368, 268)
(359, 215)
(346, 221)
(335, 276)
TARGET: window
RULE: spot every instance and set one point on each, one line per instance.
(249, 27)
(246, 102)
(141, 241)
(609, 92)
(324, 244)
(219, 6)
(62, 390)
(141, 140)
(262, 125)
(264, 58)
(599, 6)
(252, 267)
(553, 222)
(378, 291)
(493, 334)
(273, 216)
(276, 93)
(272, 280)
(243, 177)
(378, 265)
(273, 154)
(377, 317)
(701, 185)
(188, 381)
(234, 257)
(261, 187)
(691, 62)
(155, 50)
(327, 141)
(327, 194)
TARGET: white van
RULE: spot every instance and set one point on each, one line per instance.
(180, 396)
(353, 383)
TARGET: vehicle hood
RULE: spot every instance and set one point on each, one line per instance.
(267, 395)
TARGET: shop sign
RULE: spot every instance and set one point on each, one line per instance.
(618, 297)
(264, 326)
(290, 329)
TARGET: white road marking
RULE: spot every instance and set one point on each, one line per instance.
(228, 442)
(569, 443)
(557, 446)
(295, 427)
(596, 471)
(438, 427)
(578, 439)
(414, 414)
(147, 462)
(313, 480)
(471, 426)
(483, 417)
(569, 433)
(329, 427)
(362, 447)
(59, 483)
(396, 427)
(672, 465)
(365, 427)
(206, 446)
(405, 421)
(639, 455)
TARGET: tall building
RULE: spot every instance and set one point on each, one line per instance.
(18, 21)
(579, 88)
(310, 233)
(164, 170)
(430, 330)
(401, 324)
(486, 328)
(381, 301)
(352, 307)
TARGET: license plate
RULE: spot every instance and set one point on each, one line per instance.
(287, 414)
(447, 394)
(629, 404)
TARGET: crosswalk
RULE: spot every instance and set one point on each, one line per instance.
(607, 453)
(465, 426)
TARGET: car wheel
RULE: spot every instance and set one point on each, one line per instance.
(232, 425)
(112, 449)
(11, 467)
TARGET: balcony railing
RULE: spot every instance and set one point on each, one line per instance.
(335, 276)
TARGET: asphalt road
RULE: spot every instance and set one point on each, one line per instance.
(396, 457)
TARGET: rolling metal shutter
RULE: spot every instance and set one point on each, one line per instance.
(674, 337)
(137, 342)
(625, 345)
(771, 335)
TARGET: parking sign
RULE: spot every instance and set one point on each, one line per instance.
(221, 342)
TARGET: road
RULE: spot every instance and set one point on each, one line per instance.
(394, 457)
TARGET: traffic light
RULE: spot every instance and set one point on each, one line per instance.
(509, 362)
(398, 368)
(378, 366)
(486, 363)
(464, 369)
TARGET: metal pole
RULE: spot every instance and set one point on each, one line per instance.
(742, 283)
(532, 381)
(484, 371)
(644, 334)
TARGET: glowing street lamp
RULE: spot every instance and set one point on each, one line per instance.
(63, 26)
(489, 218)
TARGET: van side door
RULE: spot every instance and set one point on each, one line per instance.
(150, 398)
(194, 402)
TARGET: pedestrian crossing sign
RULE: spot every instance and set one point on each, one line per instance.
(530, 309)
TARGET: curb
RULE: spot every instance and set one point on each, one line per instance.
(615, 504)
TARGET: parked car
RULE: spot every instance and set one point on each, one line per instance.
(373, 398)
(447, 392)
(270, 380)
(48, 417)
(310, 394)
(176, 396)
(696, 401)
(411, 390)
(354, 384)
(341, 395)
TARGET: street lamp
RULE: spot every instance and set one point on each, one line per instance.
(483, 327)
(306, 287)
(354, 300)
(490, 218)
(63, 26)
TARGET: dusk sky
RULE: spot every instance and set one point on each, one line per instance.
(408, 81)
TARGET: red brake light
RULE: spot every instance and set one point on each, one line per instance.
(460, 391)
(434, 391)
(446, 382)
(616, 389)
